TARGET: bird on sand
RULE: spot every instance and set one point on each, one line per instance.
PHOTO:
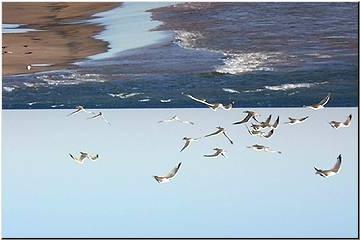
(250, 114)
(330, 172)
(218, 152)
(219, 131)
(346, 123)
(168, 176)
(176, 118)
(188, 141)
(321, 104)
(293, 121)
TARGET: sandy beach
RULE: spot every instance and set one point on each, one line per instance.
(56, 41)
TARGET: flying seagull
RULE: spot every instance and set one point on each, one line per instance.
(293, 121)
(267, 121)
(261, 148)
(78, 109)
(321, 104)
(336, 125)
(176, 118)
(213, 106)
(94, 158)
(269, 134)
(169, 176)
(83, 156)
(254, 132)
(188, 141)
(100, 114)
(250, 114)
(218, 151)
(267, 124)
(219, 131)
(330, 172)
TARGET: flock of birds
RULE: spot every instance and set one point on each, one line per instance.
(257, 128)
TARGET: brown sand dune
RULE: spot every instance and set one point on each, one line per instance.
(58, 43)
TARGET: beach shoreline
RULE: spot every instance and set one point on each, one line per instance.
(57, 42)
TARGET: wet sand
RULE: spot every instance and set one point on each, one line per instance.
(58, 42)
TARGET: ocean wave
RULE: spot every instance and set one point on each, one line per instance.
(254, 90)
(29, 84)
(124, 95)
(290, 86)
(69, 78)
(9, 89)
(187, 39)
(230, 90)
(165, 100)
(247, 62)
(144, 100)
(59, 105)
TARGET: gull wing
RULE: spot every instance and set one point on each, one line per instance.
(276, 123)
(217, 153)
(214, 133)
(228, 138)
(199, 100)
(97, 115)
(173, 172)
(94, 158)
(78, 160)
(348, 120)
(268, 120)
(188, 122)
(325, 100)
(292, 119)
(249, 130)
(303, 119)
(337, 166)
(270, 133)
(246, 119)
(74, 112)
(187, 143)
(106, 120)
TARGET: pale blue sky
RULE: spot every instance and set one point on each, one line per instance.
(250, 194)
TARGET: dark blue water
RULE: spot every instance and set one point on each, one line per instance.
(255, 54)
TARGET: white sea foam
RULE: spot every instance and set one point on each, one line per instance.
(230, 90)
(165, 100)
(60, 105)
(29, 84)
(124, 95)
(247, 62)
(69, 79)
(144, 100)
(187, 39)
(254, 90)
(290, 86)
(9, 89)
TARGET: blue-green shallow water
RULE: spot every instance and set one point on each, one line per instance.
(291, 56)
(249, 194)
